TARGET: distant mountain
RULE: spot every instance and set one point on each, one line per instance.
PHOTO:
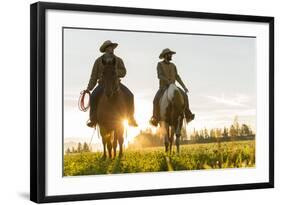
(73, 142)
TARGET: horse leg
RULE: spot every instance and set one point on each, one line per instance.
(168, 138)
(109, 144)
(120, 141)
(164, 134)
(178, 133)
(114, 145)
(166, 142)
(120, 149)
(109, 148)
(166, 146)
(104, 150)
(103, 135)
(172, 132)
(178, 142)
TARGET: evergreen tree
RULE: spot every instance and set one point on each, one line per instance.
(236, 126)
(206, 133)
(225, 132)
(212, 133)
(193, 135)
(79, 148)
(232, 131)
(67, 151)
(245, 130)
(201, 134)
(85, 147)
(218, 133)
(197, 136)
(183, 134)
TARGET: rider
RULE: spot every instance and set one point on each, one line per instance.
(96, 76)
(167, 74)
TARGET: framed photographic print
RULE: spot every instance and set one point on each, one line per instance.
(129, 102)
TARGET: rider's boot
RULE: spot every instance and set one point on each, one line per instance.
(189, 116)
(132, 121)
(153, 121)
(91, 124)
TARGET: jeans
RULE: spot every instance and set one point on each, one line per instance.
(156, 106)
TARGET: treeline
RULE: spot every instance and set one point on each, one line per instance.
(79, 148)
(235, 131)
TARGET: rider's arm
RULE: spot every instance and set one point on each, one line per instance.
(94, 76)
(160, 74)
(121, 70)
(178, 78)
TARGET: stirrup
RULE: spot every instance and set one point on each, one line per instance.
(153, 121)
(91, 124)
(190, 117)
(132, 122)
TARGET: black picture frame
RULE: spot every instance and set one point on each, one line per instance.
(38, 100)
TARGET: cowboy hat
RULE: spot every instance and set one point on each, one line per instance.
(106, 44)
(165, 51)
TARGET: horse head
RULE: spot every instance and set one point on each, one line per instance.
(110, 77)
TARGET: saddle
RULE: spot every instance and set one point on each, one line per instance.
(170, 92)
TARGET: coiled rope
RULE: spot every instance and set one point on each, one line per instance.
(81, 103)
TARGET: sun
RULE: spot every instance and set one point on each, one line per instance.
(125, 123)
(143, 112)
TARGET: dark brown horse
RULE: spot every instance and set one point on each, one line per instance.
(111, 109)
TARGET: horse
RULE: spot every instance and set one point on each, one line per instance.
(112, 109)
(172, 105)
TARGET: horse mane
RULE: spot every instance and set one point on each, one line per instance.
(172, 91)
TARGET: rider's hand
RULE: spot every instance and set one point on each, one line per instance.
(186, 90)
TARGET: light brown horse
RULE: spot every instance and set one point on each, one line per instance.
(111, 109)
(172, 107)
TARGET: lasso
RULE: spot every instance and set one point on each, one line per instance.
(81, 103)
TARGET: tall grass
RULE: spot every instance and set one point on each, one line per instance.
(191, 157)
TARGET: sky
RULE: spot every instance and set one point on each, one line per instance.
(219, 71)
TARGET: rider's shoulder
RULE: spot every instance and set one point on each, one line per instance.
(118, 58)
(173, 64)
(164, 63)
(99, 58)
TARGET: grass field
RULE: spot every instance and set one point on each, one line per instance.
(191, 157)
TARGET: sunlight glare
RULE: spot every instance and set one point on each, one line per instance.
(125, 123)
